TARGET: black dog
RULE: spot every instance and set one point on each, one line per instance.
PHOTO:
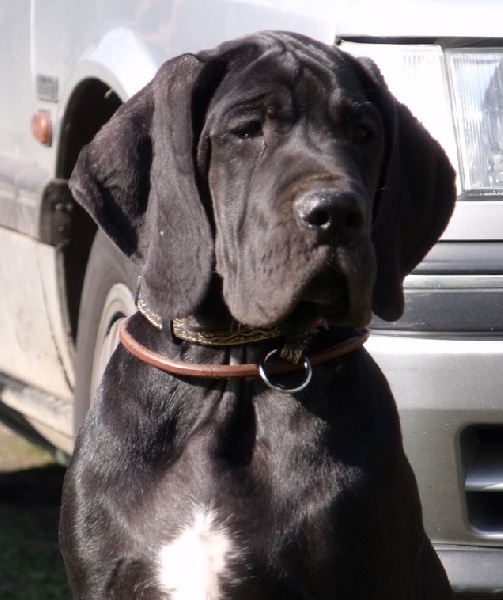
(267, 188)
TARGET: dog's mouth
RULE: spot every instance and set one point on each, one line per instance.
(308, 314)
(325, 299)
(332, 297)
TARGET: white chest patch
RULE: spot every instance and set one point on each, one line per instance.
(192, 564)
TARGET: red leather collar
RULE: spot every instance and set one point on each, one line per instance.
(277, 367)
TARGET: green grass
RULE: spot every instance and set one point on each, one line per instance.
(31, 567)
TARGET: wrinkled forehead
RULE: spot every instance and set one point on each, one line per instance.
(290, 75)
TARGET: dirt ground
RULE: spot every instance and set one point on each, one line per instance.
(30, 488)
(17, 453)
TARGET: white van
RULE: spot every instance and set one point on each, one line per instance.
(67, 65)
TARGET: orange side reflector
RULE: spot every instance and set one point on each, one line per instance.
(41, 127)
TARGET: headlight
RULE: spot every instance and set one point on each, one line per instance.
(477, 92)
(416, 75)
(458, 96)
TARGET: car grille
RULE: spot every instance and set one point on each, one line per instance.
(482, 451)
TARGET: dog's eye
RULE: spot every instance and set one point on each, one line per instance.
(363, 134)
(247, 130)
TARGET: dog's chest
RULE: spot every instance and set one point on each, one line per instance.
(193, 564)
(259, 492)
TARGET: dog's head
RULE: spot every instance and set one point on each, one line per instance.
(279, 166)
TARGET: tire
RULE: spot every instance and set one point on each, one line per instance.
(107, 298)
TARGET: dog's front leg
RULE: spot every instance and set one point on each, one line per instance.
(430, 580)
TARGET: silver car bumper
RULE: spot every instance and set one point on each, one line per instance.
(449, 393)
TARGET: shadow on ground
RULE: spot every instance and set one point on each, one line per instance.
(31, 567)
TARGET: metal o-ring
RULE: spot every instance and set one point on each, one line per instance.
(279, 388)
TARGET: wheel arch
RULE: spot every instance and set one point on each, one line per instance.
(90, 106)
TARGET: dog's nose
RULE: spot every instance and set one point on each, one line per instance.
(336, 215)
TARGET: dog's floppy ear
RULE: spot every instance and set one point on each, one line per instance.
(137, 179)
(415, 201)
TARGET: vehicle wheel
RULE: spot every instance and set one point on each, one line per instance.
(107, 298)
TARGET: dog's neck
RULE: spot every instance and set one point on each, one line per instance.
(212, 325)
(192, 329)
